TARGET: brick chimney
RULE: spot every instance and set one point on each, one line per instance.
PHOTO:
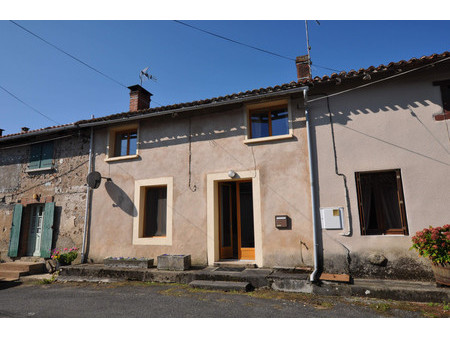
(303, 67)
(1, 131)
(139, 98)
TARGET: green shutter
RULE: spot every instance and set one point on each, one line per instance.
(47, 229)
(47, 155)
(15, 231)
(35, 156)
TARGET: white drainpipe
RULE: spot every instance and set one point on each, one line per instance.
(313, 275)
(88, 199)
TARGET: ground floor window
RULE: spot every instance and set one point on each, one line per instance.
(381, 202)
(153, 223)
(155, 212)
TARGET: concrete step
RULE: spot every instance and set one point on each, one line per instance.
(221, 285)
(235, 264)
(28, 267)
(10, 275)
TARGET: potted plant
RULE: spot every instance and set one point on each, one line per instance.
(64, 256)
(434, 243)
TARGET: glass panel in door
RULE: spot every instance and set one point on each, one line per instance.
(35, 231)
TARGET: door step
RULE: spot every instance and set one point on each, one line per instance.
(235, 264)
(221, 285)
(13, 270)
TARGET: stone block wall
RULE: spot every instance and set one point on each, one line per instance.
(64, 185)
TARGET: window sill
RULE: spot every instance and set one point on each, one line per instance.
(39, 170)
(268, 138)
(152, 241)
(121, 158)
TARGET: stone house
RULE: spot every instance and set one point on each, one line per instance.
(42, 190)
(335, 173)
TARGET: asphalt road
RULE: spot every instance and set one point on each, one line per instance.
(139, 300)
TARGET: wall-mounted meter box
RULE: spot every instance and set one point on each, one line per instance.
(332, 218)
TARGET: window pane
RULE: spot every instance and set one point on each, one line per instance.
(280, 124)
(260, 125)
(133, 144)
(155, 212)
(246, 208)
(380, 202)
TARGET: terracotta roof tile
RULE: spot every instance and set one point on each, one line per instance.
(404, 65)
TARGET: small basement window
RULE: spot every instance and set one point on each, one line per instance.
(381, 203)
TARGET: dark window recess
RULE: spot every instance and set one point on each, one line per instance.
(445, 92)
(125, 143)
(269, 122)
(155, 212)
(41, 156)
(381, 203)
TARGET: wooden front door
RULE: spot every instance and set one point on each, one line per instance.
(236, 228)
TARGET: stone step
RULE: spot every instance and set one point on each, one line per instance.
(235, 264)
(28, 267)
(10, 275)
(221, 285)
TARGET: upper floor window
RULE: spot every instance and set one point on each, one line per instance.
(445, 94)
(125, 143)
(268, 121)
(41, 156)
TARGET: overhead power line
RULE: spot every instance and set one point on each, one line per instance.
(246, 45)
(68, 54)
(73, 57)
(37, 111)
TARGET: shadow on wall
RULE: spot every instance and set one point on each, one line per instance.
(120, 198)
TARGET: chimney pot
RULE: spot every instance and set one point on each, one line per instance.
(303, 67)
(139, 98)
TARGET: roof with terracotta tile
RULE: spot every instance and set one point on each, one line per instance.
(281, 89)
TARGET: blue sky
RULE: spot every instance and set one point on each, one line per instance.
(188, 64)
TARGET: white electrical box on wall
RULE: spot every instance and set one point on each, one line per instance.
(332, 218)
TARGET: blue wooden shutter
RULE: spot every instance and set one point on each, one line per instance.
(35, 156)
(47, 155)
(47, 229)
(15, 231)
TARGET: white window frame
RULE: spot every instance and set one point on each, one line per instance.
(110, 145)
(268, 104)
(138, 220)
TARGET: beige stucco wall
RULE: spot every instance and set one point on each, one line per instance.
(217, 146)
(375, 130)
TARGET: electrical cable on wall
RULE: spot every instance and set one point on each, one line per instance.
(192, 188)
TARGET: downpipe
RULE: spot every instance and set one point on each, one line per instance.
(88, 201)
(313, 276)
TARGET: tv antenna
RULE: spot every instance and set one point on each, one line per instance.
(144, 74)
(308, 47)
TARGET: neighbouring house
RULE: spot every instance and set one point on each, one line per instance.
(42, 190)
(335, 173)
(382, 163)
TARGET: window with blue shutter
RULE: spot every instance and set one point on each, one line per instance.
(41, 156)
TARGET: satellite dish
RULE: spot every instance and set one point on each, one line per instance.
(94, 179)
